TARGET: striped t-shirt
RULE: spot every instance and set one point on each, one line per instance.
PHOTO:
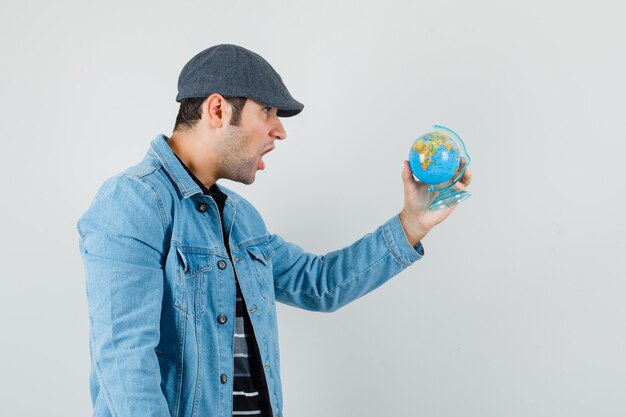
(249, 389)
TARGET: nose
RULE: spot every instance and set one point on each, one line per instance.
(278, 131)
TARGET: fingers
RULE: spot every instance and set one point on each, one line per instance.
(464, 182)
(467, 177)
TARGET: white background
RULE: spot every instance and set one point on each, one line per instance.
(517, 308)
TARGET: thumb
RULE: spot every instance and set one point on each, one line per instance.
(407, 176)
(406, 170)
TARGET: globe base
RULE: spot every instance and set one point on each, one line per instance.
(448, 198)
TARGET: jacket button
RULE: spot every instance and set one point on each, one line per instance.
(202, 207)
(222, 319)
(223, 379)
(221, 264)
(252, 309)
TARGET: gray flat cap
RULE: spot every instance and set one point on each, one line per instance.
(234, 71)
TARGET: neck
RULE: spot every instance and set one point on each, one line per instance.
(193, 150)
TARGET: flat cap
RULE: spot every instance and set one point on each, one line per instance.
(234, 71)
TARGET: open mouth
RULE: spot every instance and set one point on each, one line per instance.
(261, 162)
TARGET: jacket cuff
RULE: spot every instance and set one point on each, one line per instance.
(398, 244)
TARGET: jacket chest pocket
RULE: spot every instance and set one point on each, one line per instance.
(194, 282)
(261, 267)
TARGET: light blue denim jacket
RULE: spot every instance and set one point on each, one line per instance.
(152, 247)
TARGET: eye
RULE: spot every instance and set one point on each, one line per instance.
(267, 110)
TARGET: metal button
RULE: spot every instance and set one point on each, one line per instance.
(221, 264)
(222, 319)
(252, 309)
(223, 378)
(266, 367)
(202, 207)
(237, 259)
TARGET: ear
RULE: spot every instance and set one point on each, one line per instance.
(215, 109)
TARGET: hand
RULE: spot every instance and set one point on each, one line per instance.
(415, 218)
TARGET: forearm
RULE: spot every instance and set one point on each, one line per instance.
(325, 283)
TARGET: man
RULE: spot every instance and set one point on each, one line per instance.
(183, 276)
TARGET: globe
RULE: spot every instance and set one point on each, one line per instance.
(439, 160)
(434, 158)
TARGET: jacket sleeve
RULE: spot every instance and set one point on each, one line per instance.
(122, 246)
(328, 282)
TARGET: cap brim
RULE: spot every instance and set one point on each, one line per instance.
(288, 113)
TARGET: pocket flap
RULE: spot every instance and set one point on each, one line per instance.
(260, 253)
(183, 260)
(193, 262)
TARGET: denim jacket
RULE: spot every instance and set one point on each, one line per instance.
(158, 277)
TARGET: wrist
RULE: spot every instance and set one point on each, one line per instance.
(413, 230)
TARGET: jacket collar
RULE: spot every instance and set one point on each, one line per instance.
(172, 166)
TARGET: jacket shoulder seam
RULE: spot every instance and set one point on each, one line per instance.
(159, 201)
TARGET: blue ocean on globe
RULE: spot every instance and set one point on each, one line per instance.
(441, 166)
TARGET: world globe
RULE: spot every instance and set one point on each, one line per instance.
(439, 160)
(434, 158)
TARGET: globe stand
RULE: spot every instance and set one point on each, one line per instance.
(447, 198)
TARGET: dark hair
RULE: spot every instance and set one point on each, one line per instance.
(190, 111)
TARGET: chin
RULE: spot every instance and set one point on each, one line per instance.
(242, 175)
(246, 180)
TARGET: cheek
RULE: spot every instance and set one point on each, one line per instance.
(259, 138)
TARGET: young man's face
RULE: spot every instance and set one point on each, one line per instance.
(243, 146)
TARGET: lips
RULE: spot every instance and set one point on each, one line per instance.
(261, 162)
